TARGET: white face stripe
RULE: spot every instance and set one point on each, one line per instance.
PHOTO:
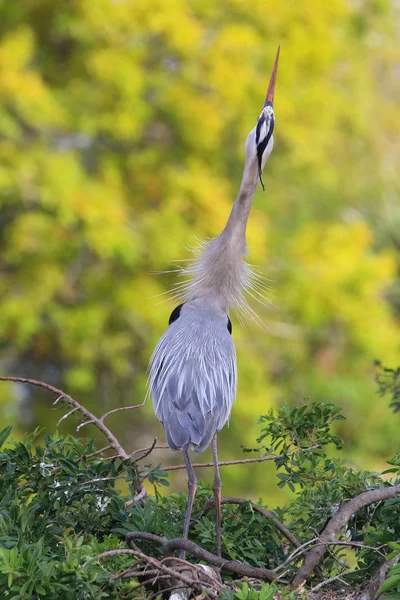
(263, 132)
(265, 121)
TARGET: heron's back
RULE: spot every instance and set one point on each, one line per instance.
(193, 378)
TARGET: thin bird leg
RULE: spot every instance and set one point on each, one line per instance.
(192, 487)
(217, 487)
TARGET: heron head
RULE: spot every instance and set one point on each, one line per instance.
(261, 136)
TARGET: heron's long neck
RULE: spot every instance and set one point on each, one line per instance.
(220, 273)
(235, 228)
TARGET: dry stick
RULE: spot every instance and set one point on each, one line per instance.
(68, 414)
(196, 568)
(155, 563)
(147, 451)
(180, 543)
(98, 479)
(331, 579)
(242, 461)
(263, 511)
(96, 452)
(336, 523)
(233, 566)
(115, 410)
(95, 420)
(296, 554)
(142, 494)
(148, 448)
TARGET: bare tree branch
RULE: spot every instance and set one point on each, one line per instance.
(336, 523)
(144, 535)
(87, 414)
(162, 567)
(182, 544)
(263, 511)
(233, 566)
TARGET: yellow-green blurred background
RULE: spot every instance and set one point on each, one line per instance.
(122, 125)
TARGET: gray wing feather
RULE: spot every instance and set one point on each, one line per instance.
(193, 381)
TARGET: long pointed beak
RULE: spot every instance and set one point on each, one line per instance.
(269, 100)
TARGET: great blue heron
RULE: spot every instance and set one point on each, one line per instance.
(193, 374)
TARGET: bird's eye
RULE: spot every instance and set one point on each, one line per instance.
(175, 314)
(229, 326)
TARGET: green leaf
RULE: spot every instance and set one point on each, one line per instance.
(4, 434)
(68, 466)
(389, 583)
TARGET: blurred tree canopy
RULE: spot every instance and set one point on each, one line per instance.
(122, 125)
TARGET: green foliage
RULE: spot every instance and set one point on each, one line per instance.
(392, 582)
(303, 430)
(388, 381)
(61, 507)
(121, 142)
(58, 506)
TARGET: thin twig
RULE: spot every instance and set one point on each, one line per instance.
(85, 456)
(68, 414)
(56, 401)
(88, 422)
(147, 451)
(138, 498)
(148, 448)
(316, 540)
(243, 461)
(109, 458)
(296, 553)
(262, 511)
(98, 479)
(357, 545)
(110, 412)
(331, 579)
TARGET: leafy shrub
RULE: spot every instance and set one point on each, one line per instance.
(61, 509)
